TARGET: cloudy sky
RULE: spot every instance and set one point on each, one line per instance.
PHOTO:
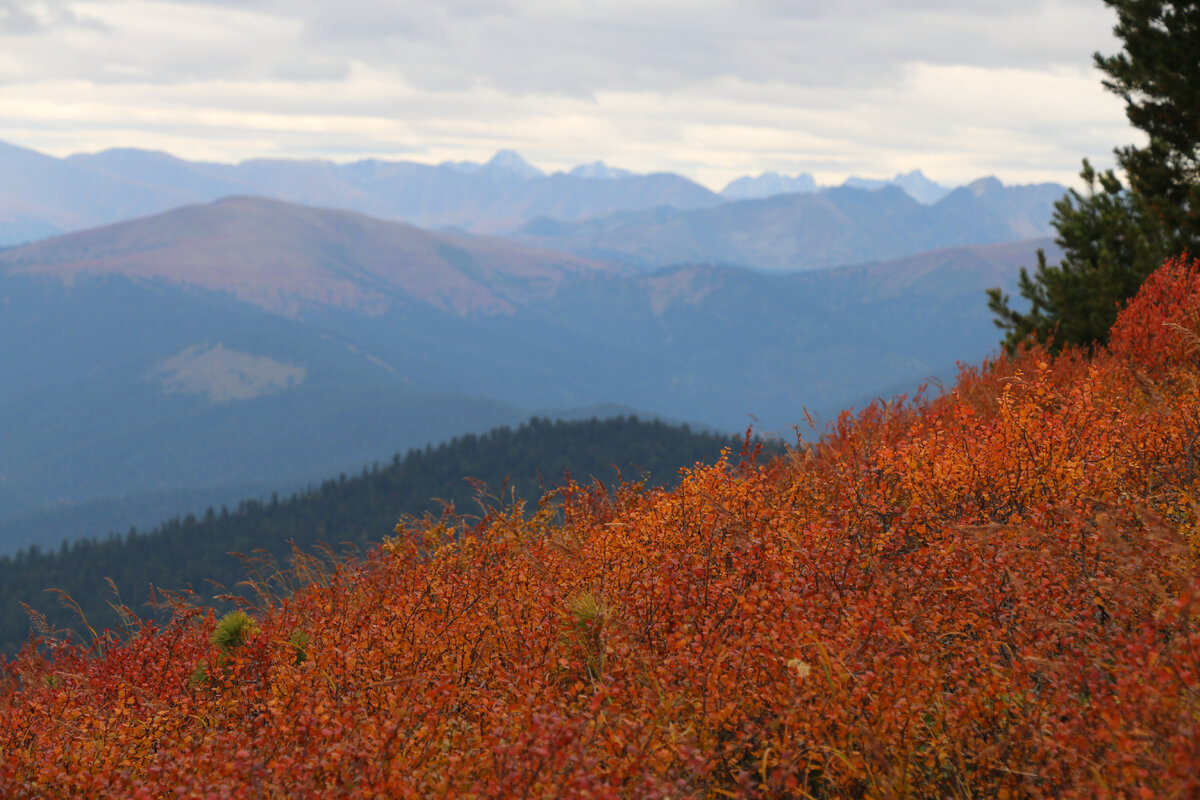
(712, 89)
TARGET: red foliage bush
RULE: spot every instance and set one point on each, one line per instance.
(990, 593)
(1161, 325)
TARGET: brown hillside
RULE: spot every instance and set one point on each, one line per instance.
(286, 258)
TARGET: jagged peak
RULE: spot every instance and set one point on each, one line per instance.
(599, 170)
(982, 186)
(768, 183)
(509, 164)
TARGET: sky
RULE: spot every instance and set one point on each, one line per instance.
(711, 89)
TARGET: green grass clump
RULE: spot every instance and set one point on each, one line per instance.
(232, 631)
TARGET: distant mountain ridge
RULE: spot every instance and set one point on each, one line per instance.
(768, 184)
(807, 231)
(914, 183)
(41, 196)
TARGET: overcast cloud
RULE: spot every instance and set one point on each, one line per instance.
(710, 88)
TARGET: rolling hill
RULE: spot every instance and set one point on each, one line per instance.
(285, 258)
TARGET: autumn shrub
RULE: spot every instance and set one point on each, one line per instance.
(988, 592)
(1160, 327)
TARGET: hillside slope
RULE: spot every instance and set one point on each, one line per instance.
(195, 551)
(989, 593)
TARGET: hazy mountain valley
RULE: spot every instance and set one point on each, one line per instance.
(274, 343)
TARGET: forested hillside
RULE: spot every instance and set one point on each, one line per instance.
(993, 592)
(495, 468)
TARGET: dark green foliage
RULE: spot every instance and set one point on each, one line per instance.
(358, 511)
(1158, 76)
(1115, 236)
(1108, 251)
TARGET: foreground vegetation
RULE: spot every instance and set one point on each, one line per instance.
(990, 593)
(213, 553)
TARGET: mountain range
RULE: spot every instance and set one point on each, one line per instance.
(41, 196)
(805, 231)
(253, 342)
(915, 184)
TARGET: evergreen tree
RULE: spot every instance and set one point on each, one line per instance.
(1115, 236)
(1158, 76)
